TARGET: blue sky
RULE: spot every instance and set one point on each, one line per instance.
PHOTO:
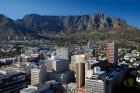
(125, 9)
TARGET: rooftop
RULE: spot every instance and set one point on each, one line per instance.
(29, 90)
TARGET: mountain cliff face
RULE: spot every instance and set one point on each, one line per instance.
(42, 24)
(36, 25)
(8, 27)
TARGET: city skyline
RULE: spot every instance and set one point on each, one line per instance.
(69, 46)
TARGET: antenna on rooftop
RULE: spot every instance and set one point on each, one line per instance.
(113, 32)
(88, 48)
(24, 37)
(8, 38)
(16, 37)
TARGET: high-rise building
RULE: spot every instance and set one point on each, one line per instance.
(80, 77)
(112, 53)
(38, 75)
(60, 65)
(77, 65)
(76, 59)
(80, 74)
(48, 64)
(59, 71)
(62, 53)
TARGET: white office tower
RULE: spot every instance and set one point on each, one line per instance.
(38, 76)
(62, 53)
(95, 81)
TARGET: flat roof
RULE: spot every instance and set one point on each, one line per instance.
(30, 90)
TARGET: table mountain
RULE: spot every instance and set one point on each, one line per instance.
(34, 25)
(42, 24)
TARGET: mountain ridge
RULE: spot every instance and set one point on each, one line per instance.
(33, 25)
(71, 23)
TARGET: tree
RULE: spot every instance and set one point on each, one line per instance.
(134, 73)
(129, 83)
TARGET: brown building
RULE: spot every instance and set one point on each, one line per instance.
(111, 53)
(78, 66)
(80, 74)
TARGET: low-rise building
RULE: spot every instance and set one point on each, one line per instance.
(11, 81)
(45, 88)
(95, 81)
